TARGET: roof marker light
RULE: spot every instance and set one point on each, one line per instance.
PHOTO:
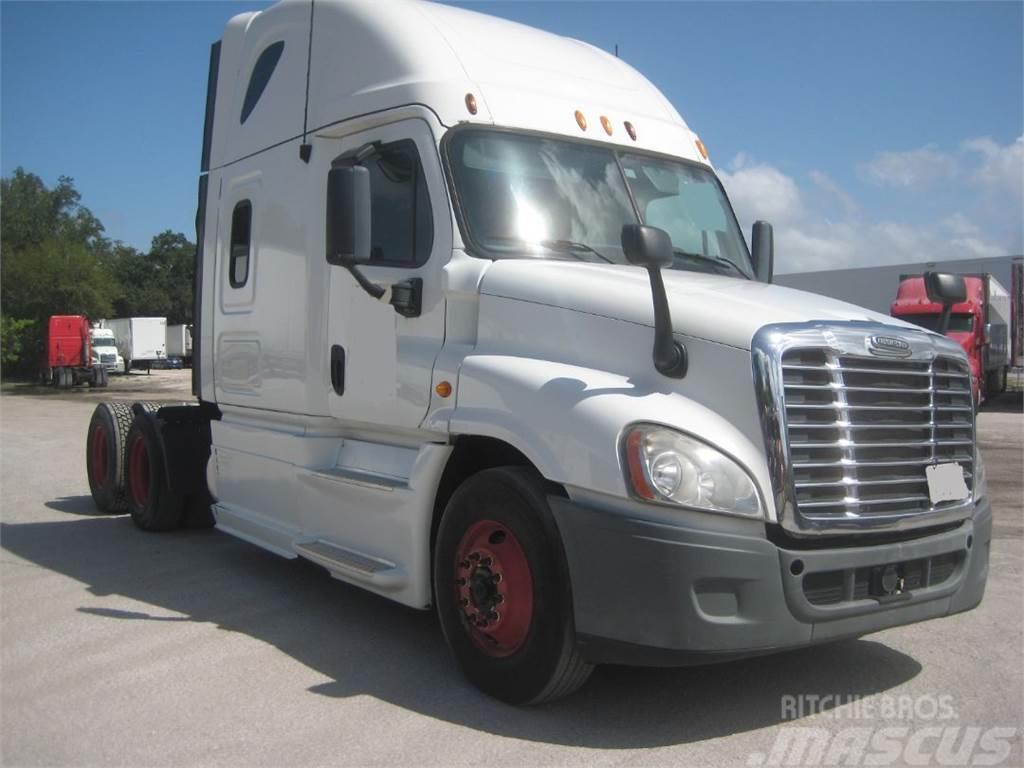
(701, 148)
(471, 103)
(630, 130)
(606, 124)
(581, 121)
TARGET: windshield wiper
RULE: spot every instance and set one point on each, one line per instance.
(709, 259)
(570, 246)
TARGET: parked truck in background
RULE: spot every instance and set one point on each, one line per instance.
(104, 350)
(67, 356)
(980, 324)
(476, 330)
(141, 341)
(179, 343)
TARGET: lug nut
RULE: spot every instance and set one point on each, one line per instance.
(496, 578)
(499, 598)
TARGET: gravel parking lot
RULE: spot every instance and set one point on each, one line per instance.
(120, 647)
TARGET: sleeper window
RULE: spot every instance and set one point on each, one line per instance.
(241, 244)
(261, 72)
(402, 228)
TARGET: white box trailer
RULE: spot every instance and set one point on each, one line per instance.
(141, 341)
(179, 342)
(477, 331)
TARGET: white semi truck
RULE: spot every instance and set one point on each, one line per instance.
(104, 349)
(476, 330)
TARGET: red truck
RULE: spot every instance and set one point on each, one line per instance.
(980, 324)
(67, 360)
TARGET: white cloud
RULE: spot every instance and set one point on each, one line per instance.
(762, 192)
(912, 168)
(825, 183)
(807, 240)
(1001, 167)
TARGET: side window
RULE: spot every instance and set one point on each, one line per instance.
(402, 228)
(261, 72)
(241, 244)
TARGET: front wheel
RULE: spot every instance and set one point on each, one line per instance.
(502, 589)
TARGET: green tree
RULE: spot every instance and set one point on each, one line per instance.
(50, 261)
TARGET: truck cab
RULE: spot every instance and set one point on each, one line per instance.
(979, 324)
(476, 330)
(104, 350)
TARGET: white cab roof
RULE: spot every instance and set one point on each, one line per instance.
(372, 56)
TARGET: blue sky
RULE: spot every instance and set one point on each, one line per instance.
(866, 132)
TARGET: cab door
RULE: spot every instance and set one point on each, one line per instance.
(381, 352)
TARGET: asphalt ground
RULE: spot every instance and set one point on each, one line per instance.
(119, 647)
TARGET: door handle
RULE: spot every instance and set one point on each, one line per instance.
(338, 369)
(407, 297)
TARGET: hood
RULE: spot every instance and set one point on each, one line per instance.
(727, 310)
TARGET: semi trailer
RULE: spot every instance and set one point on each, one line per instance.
(476, 330)
(179, 343)
(67, 358)
(141, 341)
(980, 324)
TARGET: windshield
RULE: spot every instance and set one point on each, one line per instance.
(103, 341)
(552, 198)
(959, 322)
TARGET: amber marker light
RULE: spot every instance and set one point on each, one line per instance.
(606, 124)
(581, 120)
(471, 103)
(630, 130)
(444, 389)
(702, 149)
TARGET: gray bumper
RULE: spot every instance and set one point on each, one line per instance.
(683, 592)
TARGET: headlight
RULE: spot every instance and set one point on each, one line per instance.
(980, 477)
(667, 466)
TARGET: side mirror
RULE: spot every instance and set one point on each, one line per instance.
(646, 246)
(945, 289)
(651, 248)
(348, 223)
(348, 215)
(762, 244)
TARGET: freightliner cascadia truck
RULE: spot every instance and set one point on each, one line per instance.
(980, 324)
(476, 330)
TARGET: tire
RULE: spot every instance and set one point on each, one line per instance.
(104, 455)
(127, 366)
(152, 505)
(102, 379)
(498, 530)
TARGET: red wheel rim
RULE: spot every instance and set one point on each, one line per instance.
(494, 588)
(138, 471)
(98, 449)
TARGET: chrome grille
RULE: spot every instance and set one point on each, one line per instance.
(861, 430)
(108, 358)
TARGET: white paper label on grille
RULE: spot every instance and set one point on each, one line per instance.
(946, 482)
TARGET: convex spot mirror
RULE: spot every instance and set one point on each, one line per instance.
(945, 288)
(348, 215)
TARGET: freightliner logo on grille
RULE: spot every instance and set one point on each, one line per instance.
(888, 346)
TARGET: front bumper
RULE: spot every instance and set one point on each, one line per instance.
(659, 593)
